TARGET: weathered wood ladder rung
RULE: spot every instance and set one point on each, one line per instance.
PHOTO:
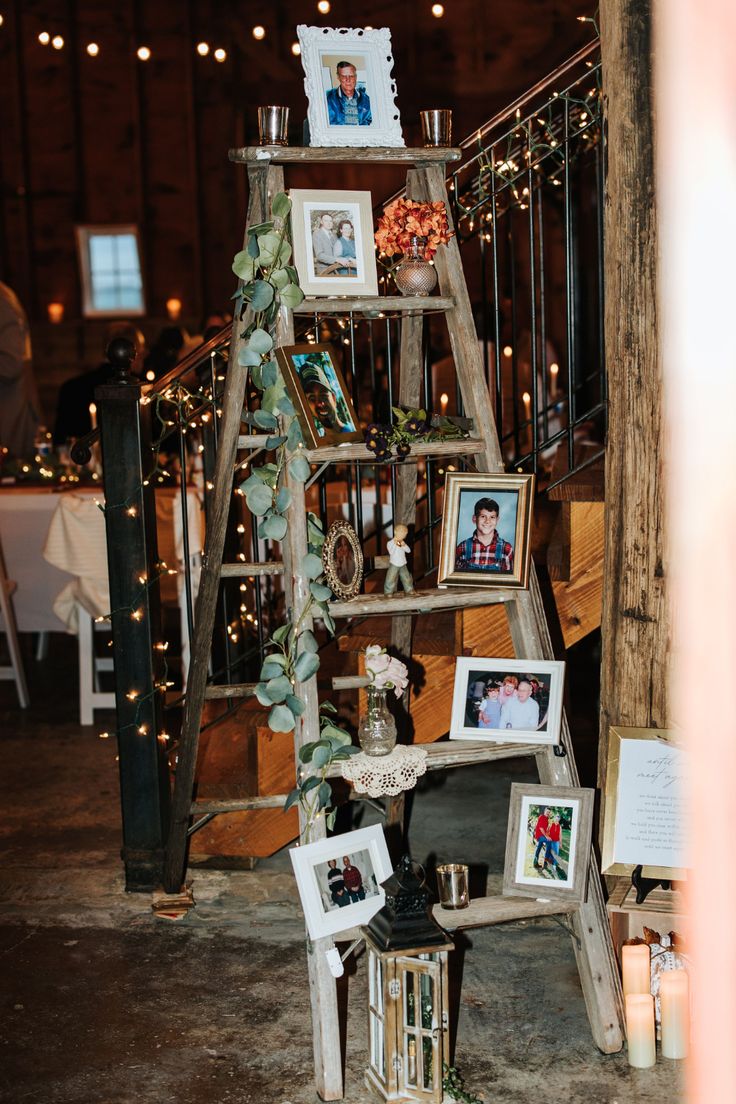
(527, 621)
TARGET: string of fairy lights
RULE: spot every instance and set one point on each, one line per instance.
(54, 38)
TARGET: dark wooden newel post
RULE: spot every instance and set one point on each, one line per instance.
(130, 522)
(635, 623)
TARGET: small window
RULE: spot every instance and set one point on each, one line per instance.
(110, 266)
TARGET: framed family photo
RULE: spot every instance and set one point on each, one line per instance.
(332, 233)
(517, 701)
(339, 879)
(317, 389)
(644, 820)
(486, 525)
(342, 558)
(348, 82)
(548, 842)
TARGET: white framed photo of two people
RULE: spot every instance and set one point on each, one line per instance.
(339, 879)
(508, 701)
(348, 82)
(486, 526)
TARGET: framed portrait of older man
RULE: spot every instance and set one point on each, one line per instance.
(317, 389)
(486, 524)
(351, 93)
(332, 233)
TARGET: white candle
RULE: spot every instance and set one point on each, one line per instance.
(636, 961)
(444, 399)
(93, 415)
(640, 1030)
(674, 996)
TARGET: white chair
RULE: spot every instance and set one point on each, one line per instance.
(90, 665)
(15, 671)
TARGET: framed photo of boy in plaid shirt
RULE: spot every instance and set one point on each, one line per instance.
(486, 524)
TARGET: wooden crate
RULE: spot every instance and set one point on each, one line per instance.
(663, 910)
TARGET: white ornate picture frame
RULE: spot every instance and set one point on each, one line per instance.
(322, 48)
(324, 913)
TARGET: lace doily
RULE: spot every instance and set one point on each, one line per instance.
(386, 775)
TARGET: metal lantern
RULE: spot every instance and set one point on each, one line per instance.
(407, 993)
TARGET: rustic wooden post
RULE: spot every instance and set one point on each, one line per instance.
(635, 623)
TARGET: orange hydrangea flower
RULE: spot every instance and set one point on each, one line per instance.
(405, 219)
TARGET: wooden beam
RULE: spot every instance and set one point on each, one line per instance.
(635, 622)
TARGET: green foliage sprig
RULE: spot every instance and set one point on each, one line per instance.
(453, 1084)
(410, 427)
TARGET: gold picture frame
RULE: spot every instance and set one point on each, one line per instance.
(511, 496)
(317, 389)
(342, 558)
(626, 792)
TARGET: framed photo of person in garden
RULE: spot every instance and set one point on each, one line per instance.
(548, 842)
(318, 391)
(486, 525)
(332, 232)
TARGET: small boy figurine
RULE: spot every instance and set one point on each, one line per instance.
(397, 550)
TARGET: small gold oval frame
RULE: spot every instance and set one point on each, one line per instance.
(342, 558)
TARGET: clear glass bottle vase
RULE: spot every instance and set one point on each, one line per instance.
(377, 729)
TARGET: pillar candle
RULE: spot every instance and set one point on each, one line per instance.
(640, 1030)
(636, 961)
(674, 997)
(93, 415)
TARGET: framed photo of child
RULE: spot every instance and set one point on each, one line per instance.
(486, 525)
(508, 701)
(548, 842)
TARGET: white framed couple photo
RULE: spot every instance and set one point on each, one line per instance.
(334, 252)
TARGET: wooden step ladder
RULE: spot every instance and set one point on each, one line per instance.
(528, 627)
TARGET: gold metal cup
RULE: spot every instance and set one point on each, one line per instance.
(436, 126)
(273, 125)
(452, 883)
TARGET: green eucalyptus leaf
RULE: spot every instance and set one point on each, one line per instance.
(275, 442)
(286, 406)
(281, 205)
(280, 635)
(315, 533)
(281, 719)
(299, 468)
(277, 688)
(321, 756)
(309, 783)
(283, 499)
(308, 643)
(327, 618)
(272, 397)
(295, 704)
(293, 274)
(259, 499)
(291, 296)
(260, 341)
(270, 373)
(326, 706)
(268, 246)
(324, 795)
(270, 670)
(273, 527)
(320, 592)
(257, 376)
(252, 247)
(337, 735)
(294, 436)
(330, 819)
(262, 694)
(248, 358)
(306, 751)
(346, 752)
(311, 565)
(279, 278)
(264, 420)
(244, 265)
(276, 657)
(262, 295)
(291, 799)
(306, 665)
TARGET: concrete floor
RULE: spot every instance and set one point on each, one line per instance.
(102, 1004)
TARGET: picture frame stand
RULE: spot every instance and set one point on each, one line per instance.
(644, 886)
